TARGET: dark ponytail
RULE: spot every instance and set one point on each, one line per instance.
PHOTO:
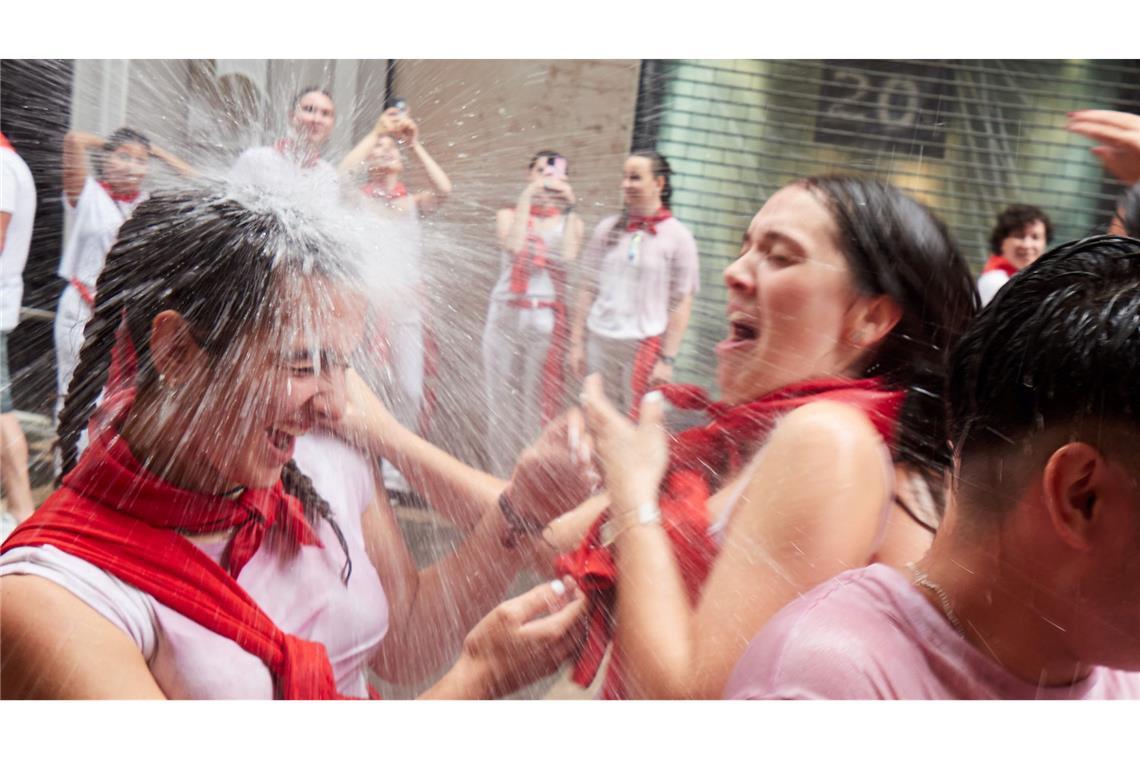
(660, 168)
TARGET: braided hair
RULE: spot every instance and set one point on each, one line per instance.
(218, 263)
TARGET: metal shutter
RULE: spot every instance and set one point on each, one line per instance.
(965, 137)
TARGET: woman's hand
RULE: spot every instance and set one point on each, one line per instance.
(1119, 136)
(560, 190)
(525, 638)
(407, 132)
(662, 374)
(366, 421)
(633, 456)
(554, 474)
(388, 122)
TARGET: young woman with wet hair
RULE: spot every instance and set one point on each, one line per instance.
(640, 273)
(1019, 236)
(188, 546)
(842, 305)
(528, 327)
(97, 204)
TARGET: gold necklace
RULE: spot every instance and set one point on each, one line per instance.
(921, 579)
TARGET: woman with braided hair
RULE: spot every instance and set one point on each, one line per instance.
(188, 546)
(640, 274)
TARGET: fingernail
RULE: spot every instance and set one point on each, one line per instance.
(654, 397)
(558, 587)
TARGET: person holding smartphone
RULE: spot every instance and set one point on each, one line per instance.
(376, 165)
(527, 332)
(640, 274)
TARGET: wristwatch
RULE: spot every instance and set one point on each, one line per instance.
(668, 361)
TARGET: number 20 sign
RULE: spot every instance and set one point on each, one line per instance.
(885, 106)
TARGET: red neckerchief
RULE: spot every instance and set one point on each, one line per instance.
(288, 149)
(4, 144)
(377, 190)
(697, 457)
(130, 197)
(543, 212)
(531, 255)
(1000, 263)
(648, 223)
(121, 518)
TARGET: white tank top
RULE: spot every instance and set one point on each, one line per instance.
(540, 285)
(301, 593)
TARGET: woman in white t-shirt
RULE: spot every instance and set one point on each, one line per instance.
(528, 324)
(640, 274)
(96, 205)
(188, 546)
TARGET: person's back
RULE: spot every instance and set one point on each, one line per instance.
(1032, 586)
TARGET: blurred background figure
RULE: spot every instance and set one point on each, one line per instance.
(1017, 239)
(640, 273)
(1126, 220)
(17, 212)
(528, 327)
(98, 203)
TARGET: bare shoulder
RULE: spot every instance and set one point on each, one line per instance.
(57, 647)
(835, 426)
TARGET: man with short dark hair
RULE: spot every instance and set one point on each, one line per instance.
(1032, 587)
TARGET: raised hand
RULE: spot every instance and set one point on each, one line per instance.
(1119, 136)
(554, 474)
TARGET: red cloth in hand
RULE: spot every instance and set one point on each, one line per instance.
(695, 457)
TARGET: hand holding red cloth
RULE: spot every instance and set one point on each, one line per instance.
(698, 457)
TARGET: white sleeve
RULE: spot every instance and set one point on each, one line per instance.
(129, 609)
(7, 185)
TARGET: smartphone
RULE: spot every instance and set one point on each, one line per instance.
(555, 167)
(399, 104)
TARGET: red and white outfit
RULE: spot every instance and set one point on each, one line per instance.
(996, 273)
(95, 222)
(17, 198)
(640, 279)
(298, 587)
(524, 342)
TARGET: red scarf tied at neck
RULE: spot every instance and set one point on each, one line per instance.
(1000, 263)
(379, 191)
(117, 197)
(648, 223)
(719, 447)
(125, 520)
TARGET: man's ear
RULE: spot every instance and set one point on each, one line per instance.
(175, 353)
(873, 320)
(1073, 485)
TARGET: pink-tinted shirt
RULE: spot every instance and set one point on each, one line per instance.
(639, 278)
(870, 634)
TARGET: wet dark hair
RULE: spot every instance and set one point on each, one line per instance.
(219, 264)
(120, 137)
(1128, 210)
(660, 168)
(1057, 348)
(1013, 219)
(305, 91)
(896, 246)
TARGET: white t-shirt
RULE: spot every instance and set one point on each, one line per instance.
(301, 593)
(990, 283)
(18, 198)
(95, 222)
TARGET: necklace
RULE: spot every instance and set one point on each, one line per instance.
(921, 579)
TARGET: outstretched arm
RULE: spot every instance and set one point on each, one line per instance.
(174, 162)
(429, 201)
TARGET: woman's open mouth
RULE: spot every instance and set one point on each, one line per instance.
(741, 334)
(281, 443)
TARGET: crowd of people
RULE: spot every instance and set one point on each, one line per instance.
(898, 494)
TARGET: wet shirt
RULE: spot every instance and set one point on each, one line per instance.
(870, 634)
(640, 278)
(302, 593)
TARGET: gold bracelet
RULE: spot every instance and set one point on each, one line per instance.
(648, 513)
